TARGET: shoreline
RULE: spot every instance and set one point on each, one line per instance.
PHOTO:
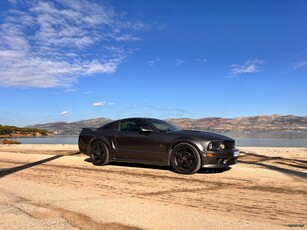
(30, 135)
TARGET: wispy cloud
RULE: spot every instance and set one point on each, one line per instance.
(302, 64)
(102, 103)
(179, 62)
(99, 104)
(153, 62)
(87, 92)
(65, 113)
(70, 90)
(51, 44)
(250, 66)
(201, 59)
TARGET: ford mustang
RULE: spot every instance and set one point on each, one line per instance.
(153, 141)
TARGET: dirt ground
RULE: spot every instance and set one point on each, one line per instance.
(56, 187)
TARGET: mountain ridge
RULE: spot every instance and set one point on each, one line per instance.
(259, 123)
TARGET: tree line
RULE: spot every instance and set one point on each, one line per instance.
(10, 130)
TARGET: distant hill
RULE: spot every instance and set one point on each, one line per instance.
(260, 123)
(71, 128)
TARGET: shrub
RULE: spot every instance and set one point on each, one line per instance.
(10, 142)
(11, 130)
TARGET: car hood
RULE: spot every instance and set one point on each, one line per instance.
(203, 134)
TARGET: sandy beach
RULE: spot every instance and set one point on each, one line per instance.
(56, 187)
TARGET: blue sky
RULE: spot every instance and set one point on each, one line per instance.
(68, 60)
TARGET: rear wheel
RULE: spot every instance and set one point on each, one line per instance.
(185, 159)
(99, 153)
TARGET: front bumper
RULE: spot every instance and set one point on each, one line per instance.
(220, 159)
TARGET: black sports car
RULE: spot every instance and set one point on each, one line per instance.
(153, 141)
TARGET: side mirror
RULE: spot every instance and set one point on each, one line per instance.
(145, 130)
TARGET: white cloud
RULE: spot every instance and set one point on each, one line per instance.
(96, 67)
(67, 25)
(126, 37)
(179, 62)
(153, 62)
(65, 113)
(201, 59)
(100, 103)
(300, 64)
(250, 66)
(52, 44)
(38, 72)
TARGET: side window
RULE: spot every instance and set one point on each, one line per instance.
(132, 126)
(160, 126)
(128, 126)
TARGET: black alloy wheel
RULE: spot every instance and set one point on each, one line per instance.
(99, 153)
(185, 159)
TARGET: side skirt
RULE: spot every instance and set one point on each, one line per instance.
(139, 162)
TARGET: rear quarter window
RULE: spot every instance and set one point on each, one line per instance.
(110, 126)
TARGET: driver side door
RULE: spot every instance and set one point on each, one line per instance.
(134, 144)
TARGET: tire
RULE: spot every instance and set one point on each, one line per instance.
(185, 159)
(99, 153)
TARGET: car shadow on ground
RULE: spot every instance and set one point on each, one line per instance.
(162, 168)
(213, 171)
(291, 167)
(9, 171)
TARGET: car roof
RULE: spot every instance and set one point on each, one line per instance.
(138, 118)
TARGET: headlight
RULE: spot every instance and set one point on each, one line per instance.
(210, 146)
(222, 146)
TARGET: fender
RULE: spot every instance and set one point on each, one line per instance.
(106, 142)
(185, 139)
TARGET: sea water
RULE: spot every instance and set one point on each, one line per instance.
(280, 139)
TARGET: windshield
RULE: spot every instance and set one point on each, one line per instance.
(163, 126)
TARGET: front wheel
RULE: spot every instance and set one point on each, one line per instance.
(99, 153)
(185, 159)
